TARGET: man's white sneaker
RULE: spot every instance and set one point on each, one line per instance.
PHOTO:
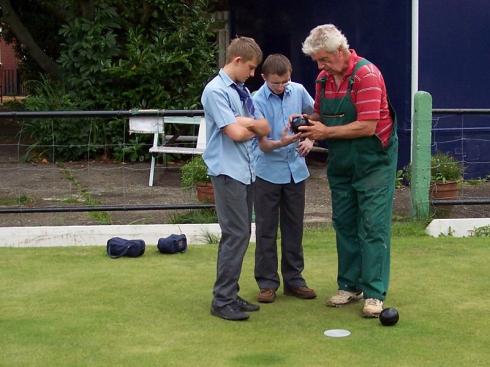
(372, 307)
(344, 297)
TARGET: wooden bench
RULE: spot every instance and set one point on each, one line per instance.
(156, 126)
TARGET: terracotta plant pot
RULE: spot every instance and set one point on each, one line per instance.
(446, 190)
(205, 192)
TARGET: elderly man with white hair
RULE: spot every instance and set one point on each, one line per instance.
(353, 114)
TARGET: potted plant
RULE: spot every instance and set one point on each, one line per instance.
(446, 176)
(194, 175)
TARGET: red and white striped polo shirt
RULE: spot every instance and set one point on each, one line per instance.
(368, 95)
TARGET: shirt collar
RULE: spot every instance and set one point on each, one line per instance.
(226, 78)
(268, 91)
(353, 58)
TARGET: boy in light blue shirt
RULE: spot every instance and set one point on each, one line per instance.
(280, 186)
(232, 122)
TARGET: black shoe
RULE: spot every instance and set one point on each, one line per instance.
(229, 312)
(246, 306)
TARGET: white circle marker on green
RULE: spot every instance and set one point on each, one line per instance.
(336, 333)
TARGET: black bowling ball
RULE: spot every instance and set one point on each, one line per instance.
(298, 121)
(389, 316)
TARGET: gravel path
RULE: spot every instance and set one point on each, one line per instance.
(42, 185)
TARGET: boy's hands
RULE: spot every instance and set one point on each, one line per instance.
(286, 138)
(304, 146)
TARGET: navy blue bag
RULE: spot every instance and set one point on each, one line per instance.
(117, 247)
(172, 244)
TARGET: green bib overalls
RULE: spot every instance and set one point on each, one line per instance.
(361, 175)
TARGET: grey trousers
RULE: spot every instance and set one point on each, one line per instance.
(274, 204)
(234, 205)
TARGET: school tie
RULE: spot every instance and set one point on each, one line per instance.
(245, 98)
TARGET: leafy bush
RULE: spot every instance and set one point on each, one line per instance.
(400, 178)
(134, 150)
(445, 168)
(194, 172)
(116, 60)
(88, 50)
(63, 138)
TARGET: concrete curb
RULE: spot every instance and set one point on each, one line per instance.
(462, 227)
(61, 236)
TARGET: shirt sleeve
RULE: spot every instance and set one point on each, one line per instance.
(368, 93)
(259, 104)
(217, 107)
(258, 111)
(316, 106)
(318, 89)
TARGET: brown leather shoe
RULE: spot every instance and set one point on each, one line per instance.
(300, 292)
(266, 295)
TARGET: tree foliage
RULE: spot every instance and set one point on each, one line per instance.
(116, 54)
(33, 29)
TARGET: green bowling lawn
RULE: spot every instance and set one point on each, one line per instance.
(76, 307)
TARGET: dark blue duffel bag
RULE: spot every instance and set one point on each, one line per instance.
(117, 247)
(172, 244)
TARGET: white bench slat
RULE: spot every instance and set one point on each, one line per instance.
(176, 150)
(156, 126)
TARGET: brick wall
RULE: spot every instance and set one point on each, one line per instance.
(8, 76)
(7, 56)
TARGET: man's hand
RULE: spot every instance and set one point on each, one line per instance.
(351, 130)
(316, 131)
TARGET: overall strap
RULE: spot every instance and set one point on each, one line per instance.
(359, 65)
(323, 83)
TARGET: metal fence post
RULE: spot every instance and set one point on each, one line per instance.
(421, 155)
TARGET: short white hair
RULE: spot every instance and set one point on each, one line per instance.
(325, 37)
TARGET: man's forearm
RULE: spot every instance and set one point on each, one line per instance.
(355, 129)
(314, 116)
